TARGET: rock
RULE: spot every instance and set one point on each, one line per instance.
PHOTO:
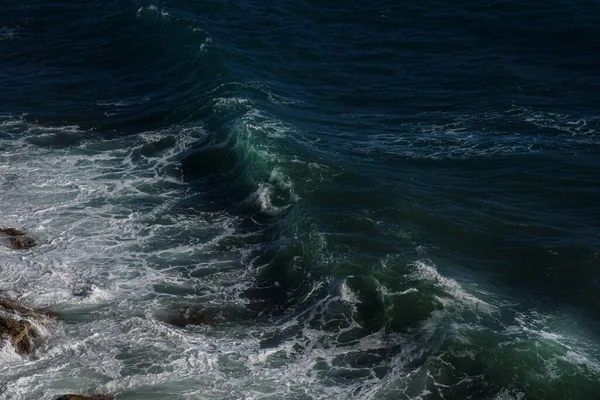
(16, 326)
(12, 305)
(79, 397)
(17, 239)
(189, 316)
(19, 331)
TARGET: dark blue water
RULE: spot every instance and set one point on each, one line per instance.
(306, 199)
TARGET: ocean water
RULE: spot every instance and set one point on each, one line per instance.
(303, 199)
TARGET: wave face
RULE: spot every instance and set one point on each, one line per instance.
(303, 200)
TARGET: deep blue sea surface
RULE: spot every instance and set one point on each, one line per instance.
(303, 199)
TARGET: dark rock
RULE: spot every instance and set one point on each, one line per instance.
(19, 331)
(79, 397)
(187, 316)
(11, 231)
(13, 306)
(16, 326)
(17, 239)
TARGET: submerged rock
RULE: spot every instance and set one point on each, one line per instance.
(187, 316)
(192, 315)
(16, 325)
(79, 397)
(17, 239)
(83, 291)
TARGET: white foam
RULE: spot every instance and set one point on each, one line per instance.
(510, 394)
(153, 11)
(235, 103)
(458, 295)
(347, 295)
(264, 200)
(258, 123)
(124, 103)
(186, 21)
(8, 353)
(82, 206)
(109, 230)
(578, 344)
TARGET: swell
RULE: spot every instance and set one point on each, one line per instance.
(115, 68)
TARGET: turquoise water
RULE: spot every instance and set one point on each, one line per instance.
(303, 200)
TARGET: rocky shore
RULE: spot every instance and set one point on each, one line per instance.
(19, 323)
